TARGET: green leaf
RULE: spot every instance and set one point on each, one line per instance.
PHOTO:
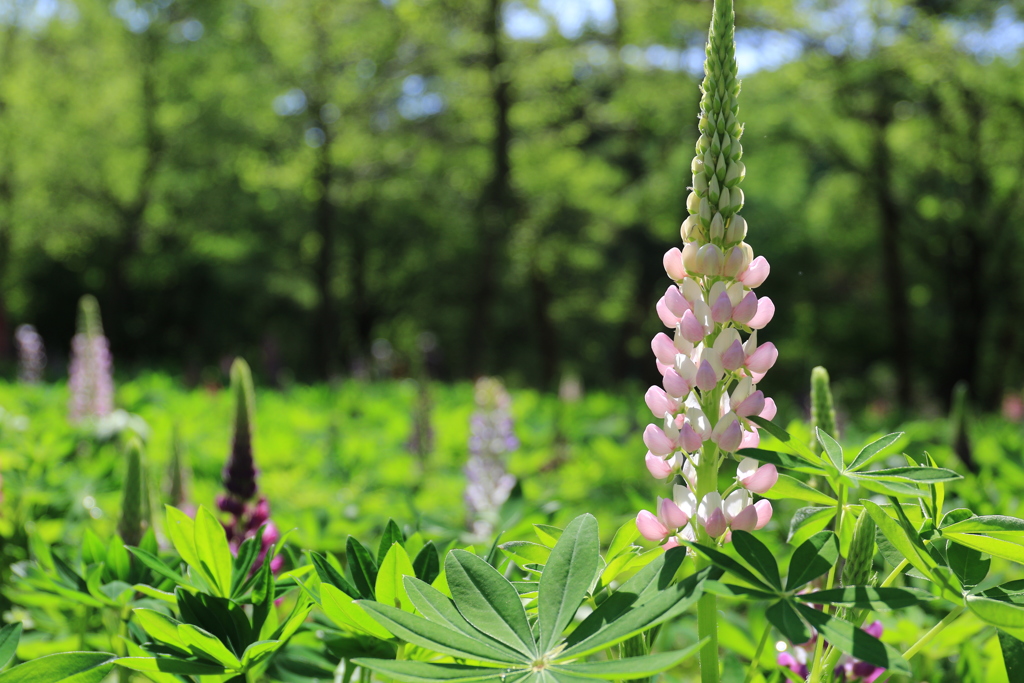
(423, 672)
(811, 559)
(623, 539)
(988, 524)
(118, 560)
(72, 667)
(757, 556)
(855, 641)
(992, 546)
(729, 590)
(201, 642)
(160, 627)
(390, 586)
(547, 534)
(438, 608)
(347, 613)
(213, 551)
(797, 448)
(967, 564)
(156, 564)
(784, 460)
(392, 534)
(133, 650)
(263, 593)
(526, 553)
(488, 601)
(328, 574)
(867, 454)
(566, 579)
(9, 637)
(832, 448)
(1013, 656)
(910, 475)
(361, 567)
(243, 562)
(782, 616)
(789, 487)
(258, 651)
(94, 550)
(630, 667)
(1004, 615)
(808, 521)
(897, 536)
(868, 597)
(427, 565)
(432, 636)
(636, 608)
(180, 528)
(723, 561)
(170, 665)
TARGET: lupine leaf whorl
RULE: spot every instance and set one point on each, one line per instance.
(240, 473)
(133, 499)
(717, 169)
(89, 322)
(857, 571)
(823, 411)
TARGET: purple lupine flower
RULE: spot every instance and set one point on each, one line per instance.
(492, 437)
(91, 379)
(248, 518)
(849, 670)
(31, 354)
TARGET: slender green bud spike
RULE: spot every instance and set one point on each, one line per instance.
(719, 149)
(858, 569)
(179, 472)
(133, 521)
(823, 411)
(89, 322)
(239, 474)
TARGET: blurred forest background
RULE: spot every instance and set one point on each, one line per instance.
(338, 187)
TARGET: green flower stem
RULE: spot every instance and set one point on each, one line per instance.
(756, 661)
(816, 671)
(926, 638)
(707, 606)
(889, 580)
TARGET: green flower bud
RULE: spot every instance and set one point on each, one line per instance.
(705, 124)
(716, 145)
(736, 230)
(697, 165)
(705, 213)
(717, 230)
(132, 524)
(858, 568)
(724, 199)
(703, 144)
(693, 203)
(700, 183)
(714, 190)
(736, 200)
(735, 173)
(688, 228)
(89, 322)
(721, 168)
(823, 412)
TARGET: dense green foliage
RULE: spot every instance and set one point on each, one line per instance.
(295, 179)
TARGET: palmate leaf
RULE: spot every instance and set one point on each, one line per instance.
(998, 525)
(868, 453)
(361, 567)
(1004, 615)
(832, 448)
(757, 556)
(427, 565)
(869, 597)
(567, 576)
(170, 665)
(1013, 656)
(808, 521)
(784, 460)
(390, 586)
(422, 672)
(213, 552)
(729, 590)
(329, 575)
(913, 551)
(630, 667)
(811, 559)
(488, 601)
(433, 636)
(790, 487)
(723, 561)
(392, 534)
(783, 616)
(967, 564)
(796, 447)
(9, 637)
(73, 667)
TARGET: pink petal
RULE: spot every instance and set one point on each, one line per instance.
(746, 520)
(763, 358)
(657, 466)
(765, 311)
(769, 409)
(670, 515)
(728, 435)
(659, 402)
(751, 405)
(733, 357)
(710, 260)
(664, 350)
(677, 305)
(756, 273)
(673, 262)
(762, 480)
(690, 328)
(716, 524)
(671, 543)
(750, 439)
(649, 526)
(666, 316)
(675, 385)
(721, 310)
(657, 442)
(764, 513)
(706, 377)
(745, 309)
(689, 439)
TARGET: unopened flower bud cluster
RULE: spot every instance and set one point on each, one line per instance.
(710, 361)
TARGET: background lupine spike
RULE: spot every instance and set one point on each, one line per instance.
(89, 321)
(823, 410)
(492, 437)
(31, 354)
(134, 498)
(239, 474)
(179, 474)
